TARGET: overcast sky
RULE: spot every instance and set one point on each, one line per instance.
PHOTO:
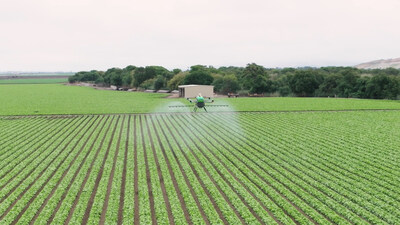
(73, 35)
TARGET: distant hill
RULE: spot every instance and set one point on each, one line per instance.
(380, 64)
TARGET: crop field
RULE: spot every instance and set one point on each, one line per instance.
(215, 168)
(44, 99)
(34, 81)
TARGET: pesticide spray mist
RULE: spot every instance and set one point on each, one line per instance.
(220, 121)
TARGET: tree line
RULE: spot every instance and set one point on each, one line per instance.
(345, 82)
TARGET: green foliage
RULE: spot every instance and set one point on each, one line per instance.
(383, 87)
(315, 167)
(117, 79)
(113, 76)
(85, 76)
(138, 76)
(177, 80)
(329, 86)
(304, 83)
(176, 71)
(148, 84)
(347, 82)
(199, 75)
(218, 82)
(159, 82)
(141, 74)
(230, 84)
(255, 79)
(61, 99)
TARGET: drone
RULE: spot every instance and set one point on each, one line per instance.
(199, 105)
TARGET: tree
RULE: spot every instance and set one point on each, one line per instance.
(159, 82)
(177, 80)
(329, 86)
(176, 71)
(304, 83)
(139, 76)
(383, 87)
(218, 82)
(127, 75)
(198, 75)
(255, 78)
(110, 76)
(116, 79)
(347, 83)
(230, 84)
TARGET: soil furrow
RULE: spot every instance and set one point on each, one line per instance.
(64, 174)
(293, 192)
(226, 180)
(297, 168)
(339, 214)
(123, 181)
(230, 172)
(12, 134)
(98, 178)
(227, 200)
(337, 167)
(148, 178)
(160, 176)
(367, 177)
(186, 179)
(71, 211)
(34, 167)
(55, 170)
(15, 153)
(217, 209)
(136, 219)
(265, 181)
(173, 178)
(110, 179)
(40, 175)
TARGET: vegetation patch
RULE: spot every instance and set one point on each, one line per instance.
(257, 168)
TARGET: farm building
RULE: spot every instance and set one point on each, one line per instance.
(191, 91)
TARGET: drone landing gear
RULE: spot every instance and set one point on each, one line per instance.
(195, 108)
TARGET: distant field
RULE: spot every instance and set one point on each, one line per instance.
(61, 99)
(37, 74)
(34, 81)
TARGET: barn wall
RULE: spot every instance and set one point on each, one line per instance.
(193, 91)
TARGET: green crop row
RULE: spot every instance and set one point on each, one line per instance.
(221, 168)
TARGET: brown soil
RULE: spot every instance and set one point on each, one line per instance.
(174, 181)
(148, 177)
(98, 178)
(196, 199)
(217, 209)
(110, 179)
(123, 182)
(72, 180)
(62, 176)
(84, 181)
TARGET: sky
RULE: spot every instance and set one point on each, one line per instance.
(75, 35)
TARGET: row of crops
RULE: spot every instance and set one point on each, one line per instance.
(230, 168)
